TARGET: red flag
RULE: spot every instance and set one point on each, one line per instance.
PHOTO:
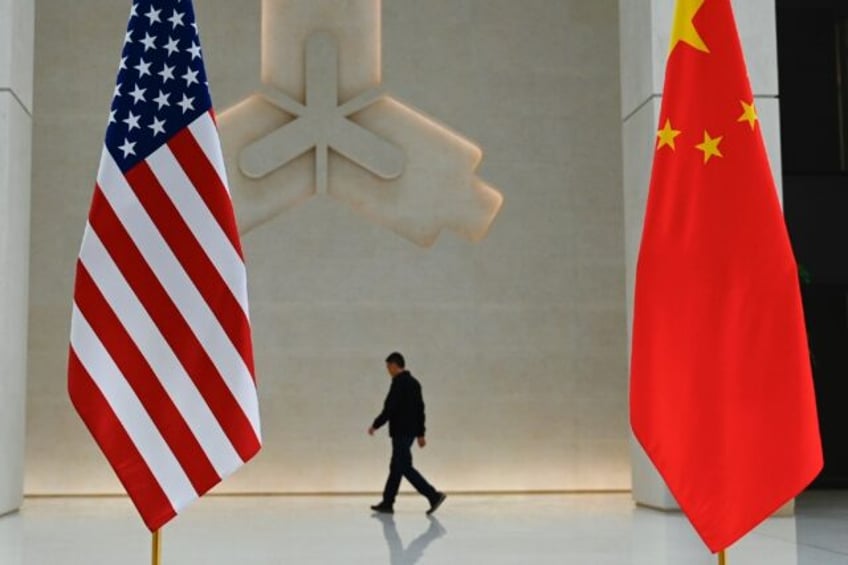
(161, 362)
(721, 390)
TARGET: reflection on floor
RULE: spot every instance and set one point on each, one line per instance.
(509, 530)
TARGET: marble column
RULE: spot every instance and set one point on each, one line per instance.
(16, 65)
(645, 26)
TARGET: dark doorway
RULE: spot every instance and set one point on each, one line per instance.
(812, 39)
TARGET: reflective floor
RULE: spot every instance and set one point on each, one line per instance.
(561, 529)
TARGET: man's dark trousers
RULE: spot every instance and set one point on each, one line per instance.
(401, 466)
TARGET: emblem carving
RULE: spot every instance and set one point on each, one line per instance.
(322, 123)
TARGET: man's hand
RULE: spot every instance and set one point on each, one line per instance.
(422, 441)
(371, 431)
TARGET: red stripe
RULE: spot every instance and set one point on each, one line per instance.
(209, 185)
(144, 382)
(173, 327)
(110, 435)
(193, 258)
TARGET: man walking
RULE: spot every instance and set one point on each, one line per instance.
(403, 409)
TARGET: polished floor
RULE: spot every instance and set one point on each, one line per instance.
(593, 529)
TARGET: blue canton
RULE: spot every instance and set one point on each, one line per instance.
(161, 85)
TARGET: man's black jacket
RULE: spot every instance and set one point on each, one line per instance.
(403, 408)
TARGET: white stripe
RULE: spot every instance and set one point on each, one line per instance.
(200, 221)
(168, 369)
(179, 287)
(205, 132)
(131, 413)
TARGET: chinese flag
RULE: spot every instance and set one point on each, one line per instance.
(721, 390)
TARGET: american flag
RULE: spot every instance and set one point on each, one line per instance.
(161, 364)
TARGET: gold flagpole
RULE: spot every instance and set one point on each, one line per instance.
(721, 560)
(157, 548)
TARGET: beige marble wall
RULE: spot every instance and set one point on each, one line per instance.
(519, 340)
(16, 27)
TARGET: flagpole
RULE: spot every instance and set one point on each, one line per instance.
(157, 548)
(721, 560)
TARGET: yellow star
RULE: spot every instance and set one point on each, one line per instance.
(710, 146)
(667, 135)
(683, 28)
(749, 114)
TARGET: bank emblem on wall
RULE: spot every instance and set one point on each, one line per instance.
(322, 123)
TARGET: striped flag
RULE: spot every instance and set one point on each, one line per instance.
(161, 363)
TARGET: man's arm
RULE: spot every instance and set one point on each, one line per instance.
(389, 407)
(422, 430)
(379, 421)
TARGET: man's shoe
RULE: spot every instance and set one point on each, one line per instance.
(436, 502)
(383, 508)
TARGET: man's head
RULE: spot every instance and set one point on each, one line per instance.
(395, 364)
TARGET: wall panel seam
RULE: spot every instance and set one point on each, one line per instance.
(14, 95)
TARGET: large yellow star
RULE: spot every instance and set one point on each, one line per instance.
(683, 28)
(749, 113)
(710, 146)
(667, 135)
